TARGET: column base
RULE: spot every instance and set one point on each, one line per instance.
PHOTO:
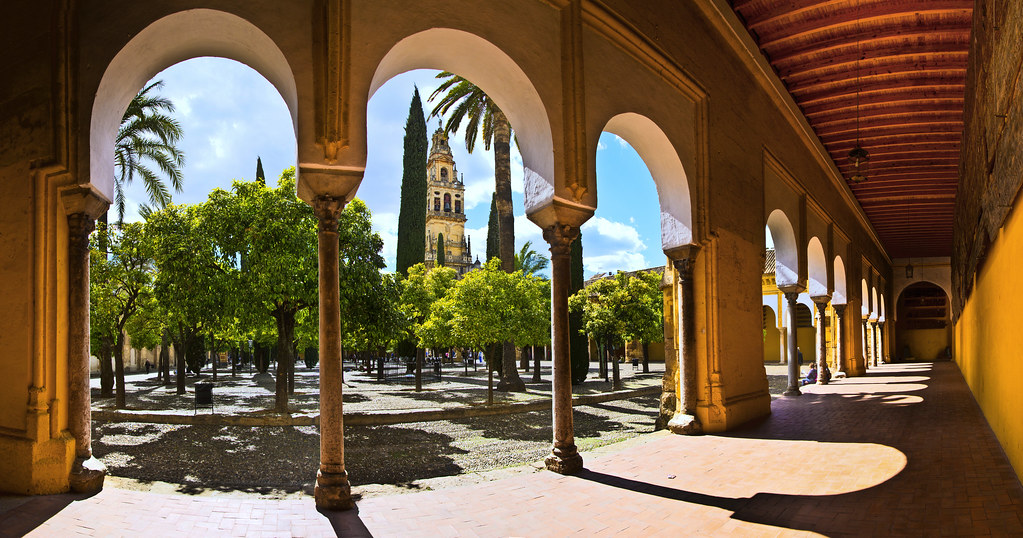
(682, 424)
(792, 391)
(87, 475)
(563, 461)
(333, 492)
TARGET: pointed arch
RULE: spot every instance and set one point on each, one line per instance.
(494, 72)
(167, 41)
(839, 296)
(661, 158)
(816, 269)
(786, 266)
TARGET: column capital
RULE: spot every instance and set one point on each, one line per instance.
(791, 296)
(80, 225)
(683, 259)
(328, 210)
(315, 181)
(839, 310)
(821, 300)
(560, 237)
(85, 200)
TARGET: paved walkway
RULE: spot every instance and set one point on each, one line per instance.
(902, 451)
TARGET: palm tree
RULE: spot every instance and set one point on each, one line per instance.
(528, 261)
(147, 138)
(461, 99)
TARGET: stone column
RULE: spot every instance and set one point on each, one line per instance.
(880, 342)
(839, 339)
(822, 341)
(685, 421)
(872, 327)
(793, 389)
(83, 205)
(564, 457)
(332, 492)
(669, 383)
(866, 344)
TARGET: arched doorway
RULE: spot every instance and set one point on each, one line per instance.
(923, 326)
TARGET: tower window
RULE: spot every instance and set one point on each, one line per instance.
(447, 202)
(443, 174)
(436, 204)
(458, 206)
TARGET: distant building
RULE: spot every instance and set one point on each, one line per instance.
(445, 209)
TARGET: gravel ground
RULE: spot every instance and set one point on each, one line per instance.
(281, 461)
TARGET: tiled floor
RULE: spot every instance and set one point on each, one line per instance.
(903, 451)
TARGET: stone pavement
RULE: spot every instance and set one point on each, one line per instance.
(903, 451)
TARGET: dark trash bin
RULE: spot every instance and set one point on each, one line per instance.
(203, 396)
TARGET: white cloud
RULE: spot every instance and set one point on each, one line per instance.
(601, 146)
(620, 233)
(621, 142)
(609, 263)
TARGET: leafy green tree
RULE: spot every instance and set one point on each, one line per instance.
(121, 284)
(440, 250)
(463, 100)
(488, 307)
(275, 233)
(146, 144)
(192, 282)
(528, 261)
(617, 310)
(411, 247)
(420, 292)
(579, 348)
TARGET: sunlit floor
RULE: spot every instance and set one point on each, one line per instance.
(902, 451)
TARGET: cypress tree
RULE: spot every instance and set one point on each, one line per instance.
(260, 176)
(411, 247)
(440, 250)
(578, 343)
(493, 239)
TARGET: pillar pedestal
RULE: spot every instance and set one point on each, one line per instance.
(564, 457)
(83, 204)
(333, 491)
(685, 421)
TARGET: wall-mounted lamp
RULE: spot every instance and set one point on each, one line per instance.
(909, 270)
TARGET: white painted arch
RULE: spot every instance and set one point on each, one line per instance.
(167, 41)
(864, 298)
(840, 295)
(494, 72)
(816, 269)
(660, 157)
(786, 253)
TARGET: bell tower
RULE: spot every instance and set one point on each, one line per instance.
(445, 208)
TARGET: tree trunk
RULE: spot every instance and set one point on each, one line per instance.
(536, 365)
(510, 380)
(119, 369)
(616, 378)
(179, 355)
(165, 357)
(489, 354)
(646, 358)
(106, 368)
(285, 336)
(523, 359)
(420, 357)
(291, 367)
(214, 357)
(602, 361)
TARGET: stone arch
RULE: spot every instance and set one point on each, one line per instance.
(873, 304)
(167, 41)
(786, 266)
(839, 296)
(864, 298)
(922, 325)
(816, 269)
(493, 71)
(670, 180)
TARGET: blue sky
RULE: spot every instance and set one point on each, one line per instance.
(230, 115)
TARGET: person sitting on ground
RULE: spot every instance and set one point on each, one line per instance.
(811, 376)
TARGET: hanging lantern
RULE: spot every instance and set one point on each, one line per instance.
(859, 157)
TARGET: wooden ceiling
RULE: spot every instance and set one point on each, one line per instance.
(895, 68)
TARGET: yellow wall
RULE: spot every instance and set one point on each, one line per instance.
(924, 344)
(806, 339)
(988, 339)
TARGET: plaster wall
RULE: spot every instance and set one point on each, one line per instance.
(988, 339)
